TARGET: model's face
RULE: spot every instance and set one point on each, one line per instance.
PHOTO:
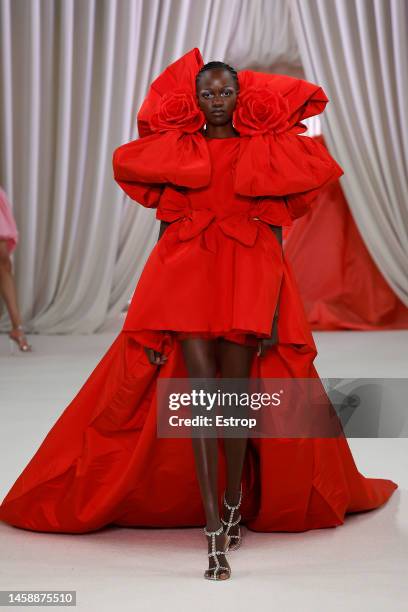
(217, 95)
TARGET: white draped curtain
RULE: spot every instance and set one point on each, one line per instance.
(358, 51)
(73, 74)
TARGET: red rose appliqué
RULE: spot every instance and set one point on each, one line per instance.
(260, 110)
(178, 111)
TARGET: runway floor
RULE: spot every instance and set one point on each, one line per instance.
(361, 565)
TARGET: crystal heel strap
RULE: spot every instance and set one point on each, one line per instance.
(218, 567)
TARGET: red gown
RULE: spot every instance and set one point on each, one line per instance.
(217, 270)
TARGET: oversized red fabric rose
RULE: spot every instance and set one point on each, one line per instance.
(178, 111)
(260, 110)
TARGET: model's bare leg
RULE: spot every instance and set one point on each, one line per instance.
(200, 358)
(235, 362)
(7, 286)
(9, 294)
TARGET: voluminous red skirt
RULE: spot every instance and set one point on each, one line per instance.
(102, 462)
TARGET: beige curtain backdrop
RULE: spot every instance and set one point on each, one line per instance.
(358, 51)
(73, 75)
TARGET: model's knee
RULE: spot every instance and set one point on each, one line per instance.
(5, 263)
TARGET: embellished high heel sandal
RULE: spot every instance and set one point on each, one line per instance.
(19, 339)
(230, 523)
(218, 572)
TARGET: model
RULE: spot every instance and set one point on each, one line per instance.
(221, 159)
(8, 241)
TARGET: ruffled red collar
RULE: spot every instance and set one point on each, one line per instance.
(273, 159)
(266, 104)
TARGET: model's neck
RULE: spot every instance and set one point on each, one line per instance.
(220, 131)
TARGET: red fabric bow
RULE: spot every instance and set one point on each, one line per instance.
(187, 222)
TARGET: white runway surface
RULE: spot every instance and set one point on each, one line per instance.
(361, 565)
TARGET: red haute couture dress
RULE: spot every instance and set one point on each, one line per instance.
(218, 269)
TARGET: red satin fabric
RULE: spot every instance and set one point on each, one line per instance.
(102, 462)
(286, 167)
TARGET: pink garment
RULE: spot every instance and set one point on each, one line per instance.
(8, 228)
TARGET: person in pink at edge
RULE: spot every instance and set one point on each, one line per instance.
(8, 242)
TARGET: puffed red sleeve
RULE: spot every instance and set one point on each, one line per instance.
(300, 203)
(143, 167)
(325, 171)
(286, 165)
(285, 170)
(145, 193)
(160, 157)
(282, 164)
